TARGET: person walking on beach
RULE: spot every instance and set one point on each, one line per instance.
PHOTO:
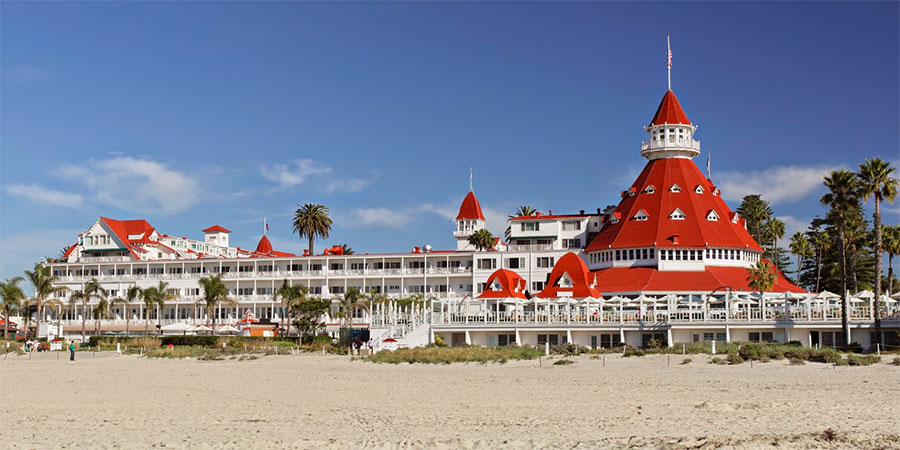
(72, 351)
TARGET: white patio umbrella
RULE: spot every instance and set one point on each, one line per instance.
(825, 295)
(896, 296)
(866, 294)
(227, 329)
(176, 328)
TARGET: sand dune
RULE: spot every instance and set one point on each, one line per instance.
(314, 401)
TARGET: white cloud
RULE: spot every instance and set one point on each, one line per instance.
(20, 251)
(351, 184)
(791, 226)
(775, 185)
(378, 217)
(294, 173)
(137, 185)
(39, 194)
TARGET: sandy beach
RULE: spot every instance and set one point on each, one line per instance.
(315, 401)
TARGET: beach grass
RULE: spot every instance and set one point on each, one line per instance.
(447, 355)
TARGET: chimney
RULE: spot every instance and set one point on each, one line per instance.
(581, 212)
(417, 249)
(549, 212)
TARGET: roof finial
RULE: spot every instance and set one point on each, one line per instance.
(669, 64)
(265, 226)
(470, 178)
(708, 155)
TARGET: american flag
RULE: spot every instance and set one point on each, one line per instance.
(669, 45)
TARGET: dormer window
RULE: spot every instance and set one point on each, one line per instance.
(735, 217)
(716, 191)
(698, 189)
(641, 216)
(712, 215)
(675, 188)
(649, 189)
(678, 214)
(496, 286)
(565, 281)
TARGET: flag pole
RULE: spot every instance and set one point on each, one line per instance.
(669, 63)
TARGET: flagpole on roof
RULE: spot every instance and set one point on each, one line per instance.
(470, 178)
(669, 63)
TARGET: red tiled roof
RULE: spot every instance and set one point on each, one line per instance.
(658, 229)
(512, 285)
(124, 228)
(582, 279)
(470, 208)
(670, 111)
(649, 279)
(550, 217)
(265, 248)
(216, 229)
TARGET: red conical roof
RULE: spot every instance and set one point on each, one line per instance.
(670, 111)
(707, 219)
(470, 208)
(216, 229)
(264, 245)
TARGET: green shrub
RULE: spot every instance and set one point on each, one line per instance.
(447, 355)
(568, 349)
(764, 359)
(735, 358)
(439, 341)
(686, 361)
(896, 361)
(863, 360)
(201, 341)
(717, 360)
(176, 352)
(131, 341)
(633, 352)
(854, 347)
(797, 361)
(319, 341)
(563, 362)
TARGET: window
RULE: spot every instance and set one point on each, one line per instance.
(610, 340)
(416, 265)
(571, 225)
(675, 188)
(712, 216)
(336, 289)
(641, 216)
(357, 266)
(698, 189)
(506, 339)
(618, 255)
(315, 267)
(552, 339)
(643, 254)
(537, 286)
(487, 264)
(571, 243)
(544, 262)
(515, 263)
(530, 226)
(336, 266)
(630, 254)
(677, 214)
(649, 189)
(296, 267)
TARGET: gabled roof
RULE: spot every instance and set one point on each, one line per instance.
(125, 228)
(670, 111)
(694, 231)
(470, 208)
(574, 267)
(216, 229)
(512, 285)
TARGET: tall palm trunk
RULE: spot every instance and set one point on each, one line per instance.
(851, 268)
(845, 323)
(311, 245)
(146, 321)
(818, 268)
(127, 318)
(83, 320)
(37, 327)
(159, 319)
(877, 301)
(890, 283)
(6, 323)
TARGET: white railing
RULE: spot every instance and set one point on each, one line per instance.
(673, 144)
(530, 247)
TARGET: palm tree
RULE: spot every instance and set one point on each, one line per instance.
(162, 296)
(149, 296)
(214, 292)
(134, 294)
(774, 230)
(761, 277)
(28, 309)
(521, 211)
(346, 249)
(290, 296)
(892, 247)
(351, 301)
(821, 243)
(801, 247)
(312, 221)
(876, 181)
(116, 301)
(90, 290)
(12, 296)
(843, 191)
(99, 312)
(43, 281)
(482, 239)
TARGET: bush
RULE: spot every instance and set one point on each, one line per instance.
(797, 361)
(686, 361)
(439, 341)
(201, 341)
(735, 358)
(568, 349)
(563, 362)
(447, 355)
(863, 360)
(854, 347)
(896, 361)
(319, 341)
(764, 359)
(717, 360)
(633, 352)
(131, 341)
(177, 352)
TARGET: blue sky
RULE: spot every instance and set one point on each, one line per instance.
(199, 113)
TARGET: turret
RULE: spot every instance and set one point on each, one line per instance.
(671, 132)
(469, 220)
